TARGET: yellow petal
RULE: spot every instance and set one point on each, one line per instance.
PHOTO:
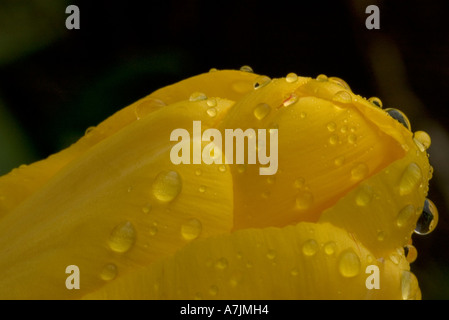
(120, 206)
(306, 261)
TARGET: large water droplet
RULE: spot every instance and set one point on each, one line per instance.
(364, 195)
(122, 237)
(340, 82)
(409, 286)
(405, 215)
(197, 96)
(291, 77)
(304, 200)
(260, 82)
(410, 253)
(428, 220)
(147, 106)
(342, 97)
(330, 248)
(349, 264)
(423, 140)
(191, 229)
(376, 101)
(211, 102)
(322, 78)
(246, 68)
(167, 186)
(261, 111)
(359, 171)
(411, 178)
(399, 116)
(108, 272)
(310, 247)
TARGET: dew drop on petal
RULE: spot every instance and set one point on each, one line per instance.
(342, 97)
(213, 290)
(405, 215)
(333, 139)
(339, 161)
(109, 272)
(340, 82)
(261, 111)
(260, 82)
(310, 247)
(411, 178)
(146, 208)
(322, 77)
(376, 102)
(291, 77)
(211, 112)
(271, 254)
(331, 126)
(221, 264)
(122, 237)
(147, 106)
(349, 264)
(290, 100)
(399, 116)
(330, 248)
(153, 230)
(428, 220)
(191, 229)
(167, 185)
(410, 253)
(246, 68)
(304, 200)
(359, 171)
(423, 139)
(197, 96)
(364, 195)
(211, 102)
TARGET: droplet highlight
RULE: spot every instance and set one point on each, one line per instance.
(167, 185)
(405, 215)
(349, 264)
(342, 97)
(109, 272)
(399, 116)
(261, 111)
(191, 229)
(310, 247)
(260, 82)
(364, 195)
(376, 102)
(411, 178)
(424, 140)
(197, 96)
(122, 237)
(428, 220)
(246, 68)
(291, 77)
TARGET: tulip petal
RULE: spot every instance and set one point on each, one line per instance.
(306, 261)
(119, 206)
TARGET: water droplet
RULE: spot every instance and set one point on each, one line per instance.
(167, 186)
(261, 111)
(146, 208)
(340, 82)
(428, 220)
(344, 129)
(221, 264)
(202, 189)
(331, 126)
(222, 168)
(213, 290)
(292, 99)
(294, 272)
(364, 195)
(299, 183)
(349, 264)
(360, 171)
(266, 194)
(352, 138)
(271, 254)
(211, 102)
(424, 139)
(310, 247)
(399, 116)
(197, 96)
(152, 230)
(198, 172)
(89, 130)
(339, 161)
(241, 168)
(304, 200)
(405, 215)
(291, 77)
(108, 272)
(411, 178)
(410, 253)
(376, 101)
(246, 68)
(330, 248)
(303, 115)
(409, 286)
(147, 106)
(213, 70)
(333, 140)
(260, 82)
(191, 229)
(342, 97)
(322, 77)
(380, 235)
(211, 112)
(122, 237)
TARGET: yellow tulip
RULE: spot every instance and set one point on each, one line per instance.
(349, 190)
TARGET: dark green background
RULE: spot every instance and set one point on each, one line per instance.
(54, 83)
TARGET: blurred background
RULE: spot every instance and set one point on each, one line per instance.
(55, 82)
